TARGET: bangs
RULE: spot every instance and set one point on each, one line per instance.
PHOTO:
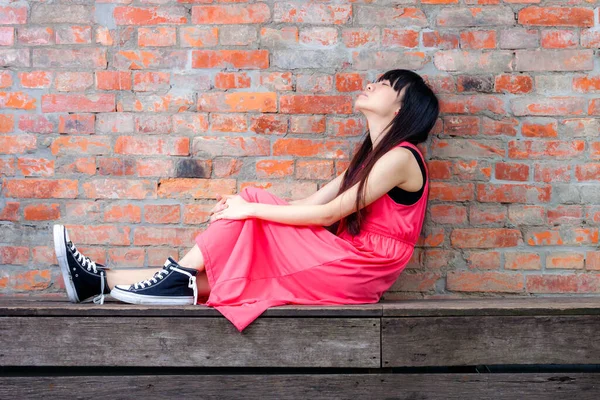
(397, 79)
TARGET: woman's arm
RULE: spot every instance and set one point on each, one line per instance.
(323, 195)
(389, 171)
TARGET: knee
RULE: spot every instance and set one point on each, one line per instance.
(250, 194)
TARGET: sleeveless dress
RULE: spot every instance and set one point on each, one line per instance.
(254, 264)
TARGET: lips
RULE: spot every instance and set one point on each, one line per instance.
(364, 94)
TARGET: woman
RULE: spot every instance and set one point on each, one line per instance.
(345, 244)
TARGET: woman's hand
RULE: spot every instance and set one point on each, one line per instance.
(231, 207)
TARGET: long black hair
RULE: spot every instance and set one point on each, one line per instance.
(414, 121)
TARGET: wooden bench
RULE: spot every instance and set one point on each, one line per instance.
(510, 348)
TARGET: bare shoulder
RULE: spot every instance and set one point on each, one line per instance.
(398, 158)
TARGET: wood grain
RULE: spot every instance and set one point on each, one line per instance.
(476, 340)
(189, 342)
(534, 386)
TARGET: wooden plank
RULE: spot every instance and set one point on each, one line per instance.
(184, 342)
(534, 386)
(578, 305)
(53, 307)
(453, 341)
(58, 306)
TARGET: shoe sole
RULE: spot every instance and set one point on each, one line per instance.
(61, 255)
(133, 298)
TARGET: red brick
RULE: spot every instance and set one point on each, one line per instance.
(349, 82)
(311, 148)
(40, 188)
(191, 188)
(461, 125)
(10, 211)
(310, 13)
(127, 257)
(513, 193)
(592, 260)
(548, 106)
(126, 15)
(485, 260)
(478, 40)
(399, 38)
(319, 36)
(307, 124)
(154, 236)
(563, 236)
(14, 255)
(228, 122)
(160, 36)
(519, 214)
(123, 213)
(237, 102)
(529, 149)
(35, 79)
(99, 102)
(317, 83)
(556, 16)
(16, 14)
(119, 188)
(512, 172)
(559, 39)
(18, 100)
(30, 280)
(213, 146)
(320, 169)
(516, 84)
(500, 282)
(41, 212)
(100, 235)
(550, 173)
(448, 214)
(246, 59)
(274, 168)
(231, 14)
(346, 126)
(315, 104)
(485, 238)
(416, 282)
(577, 283)
(162, 213)
(532, 129)
(565, 260)
(486, 214)
(232, 80)
(79, 124)
(171, 146)
(523, 261)
(587, 172)
(151, 81)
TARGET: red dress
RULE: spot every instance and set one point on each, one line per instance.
(254, 264)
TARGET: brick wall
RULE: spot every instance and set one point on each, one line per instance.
(123, 120)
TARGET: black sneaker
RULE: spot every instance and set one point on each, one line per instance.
(172, 285)
(85, 280)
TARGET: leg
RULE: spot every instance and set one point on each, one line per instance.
(193, 259)
(128, 276)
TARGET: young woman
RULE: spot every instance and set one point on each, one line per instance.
(345, 244)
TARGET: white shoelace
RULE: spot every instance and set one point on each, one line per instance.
(164, 272)
(100, 298)
(191, 283)
(83, 260)
(147, 282)
(90, 265)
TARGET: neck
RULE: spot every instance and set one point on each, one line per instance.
(376, 126)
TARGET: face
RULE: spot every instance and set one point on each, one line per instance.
(378, 99)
